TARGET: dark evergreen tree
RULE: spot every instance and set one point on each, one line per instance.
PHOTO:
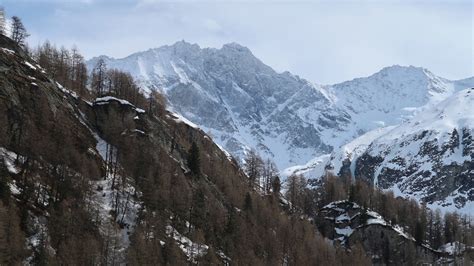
(364, 216)
(419, 232)
(4, 187)
(231, 226)
(172, 254)
(276, 185)
(386, 250)
(194, 162)
(248, 202)
(198, 210)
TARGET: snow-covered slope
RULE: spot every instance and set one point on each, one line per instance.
(429, 157)
(390, 96)
(244, 104)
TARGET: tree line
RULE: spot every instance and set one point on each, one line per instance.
(68, 67)
(427, 226)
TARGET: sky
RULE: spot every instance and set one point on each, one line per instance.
(325, 42)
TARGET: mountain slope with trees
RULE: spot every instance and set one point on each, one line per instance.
(106, 181)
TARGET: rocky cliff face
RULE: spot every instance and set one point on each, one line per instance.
(34, 111)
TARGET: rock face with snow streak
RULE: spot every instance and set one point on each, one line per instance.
(349, 224)
(429, 157)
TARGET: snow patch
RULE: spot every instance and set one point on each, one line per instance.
(346, 231)
(453, 248)
(181, 119)
(66, 91)
(107, 99)
(8, 51)
(191, 249)
(9, 158)
(28, 64)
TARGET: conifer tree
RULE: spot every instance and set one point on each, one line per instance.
(419, 232)
(4, 187)
(276, 185)
(194, 162)
(248, 202)
(198, 211)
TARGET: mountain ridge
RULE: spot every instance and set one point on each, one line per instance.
(245, 104)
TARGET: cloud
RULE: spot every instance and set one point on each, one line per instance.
(323, 41)
(212, 25)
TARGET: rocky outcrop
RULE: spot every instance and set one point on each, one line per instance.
(34, 112)
(349, 224)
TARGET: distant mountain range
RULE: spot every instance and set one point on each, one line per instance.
(243, 103)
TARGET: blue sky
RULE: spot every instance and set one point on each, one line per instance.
(323, 41)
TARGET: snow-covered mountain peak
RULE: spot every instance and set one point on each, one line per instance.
(185, 45)
(390, 96)
(398, 78)
(236, 47)
(429, 157)
(395, 70)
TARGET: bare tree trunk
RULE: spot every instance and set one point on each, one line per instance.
(125, 208)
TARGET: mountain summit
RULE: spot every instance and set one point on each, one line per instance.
(429, 157)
